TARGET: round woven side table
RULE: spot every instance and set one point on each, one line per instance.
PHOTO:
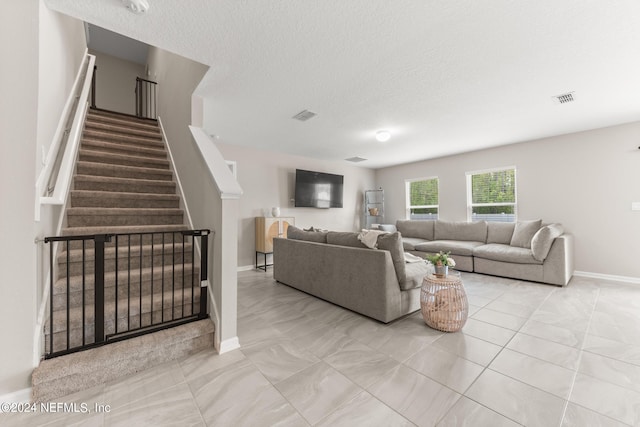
(444, 302)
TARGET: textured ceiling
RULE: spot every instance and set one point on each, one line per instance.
(443, 76)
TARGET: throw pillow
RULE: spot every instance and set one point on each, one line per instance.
(500, 232)
(543, 239)
(460, 230)
(422, 229)
(295, 233)
(523, 233)
(344, 238)
(392, 242)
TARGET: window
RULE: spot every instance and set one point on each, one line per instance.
(422, 198)
(491, 195)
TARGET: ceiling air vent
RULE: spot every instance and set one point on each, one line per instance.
(304, 115)
(564, 98)
(355, 159)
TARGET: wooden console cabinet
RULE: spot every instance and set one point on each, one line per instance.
(266, 229)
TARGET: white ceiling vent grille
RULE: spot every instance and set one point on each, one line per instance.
(355, 159)
(304, 115)
(564, 98)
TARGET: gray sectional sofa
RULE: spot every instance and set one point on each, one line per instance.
(527, 250)
(378, 283)
(337, 267)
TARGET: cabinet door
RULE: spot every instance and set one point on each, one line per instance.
(267, 229)
(273, 230)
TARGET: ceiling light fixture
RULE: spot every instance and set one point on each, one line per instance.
(136, 6)
(383, 135)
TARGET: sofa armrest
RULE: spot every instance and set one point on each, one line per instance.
(362, 280)
(558, 266)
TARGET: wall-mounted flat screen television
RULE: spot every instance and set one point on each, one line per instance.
(318, 189)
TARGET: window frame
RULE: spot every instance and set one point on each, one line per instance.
(407, 194)
(471, 205)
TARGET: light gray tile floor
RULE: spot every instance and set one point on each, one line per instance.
(530, 354)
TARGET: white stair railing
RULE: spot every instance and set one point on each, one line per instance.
(54, 181)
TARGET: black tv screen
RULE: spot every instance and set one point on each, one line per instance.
(318, 189)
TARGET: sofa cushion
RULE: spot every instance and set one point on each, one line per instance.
(295, 233)
(543, 239)
(523, 233)
(422, 229)
(454, 246)
(344, 238)
(467, 231)
(500, 232)
(505, 253)
(409, 243)
(415, 273)
(392, 242)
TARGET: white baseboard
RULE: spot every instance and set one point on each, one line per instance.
(626, 279)
(246, 268)
(20, 396)
(229, 344)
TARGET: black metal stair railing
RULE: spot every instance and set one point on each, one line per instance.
(122, 297)
(146, 98)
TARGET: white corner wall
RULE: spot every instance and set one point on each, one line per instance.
(39, 50)
(116, 83)
(267, 180)
(586, 181)
(177, 79)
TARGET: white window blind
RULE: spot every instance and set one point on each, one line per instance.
(422, 198)
(491, 195)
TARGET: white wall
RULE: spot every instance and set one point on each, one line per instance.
(38, 73)
(267, 180)
(584, 180)
(177, 79)
(116, 83)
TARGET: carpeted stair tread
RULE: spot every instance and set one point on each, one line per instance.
(129, 139)
(82, 231)
(128, 118)
(127, 149)
(130, 185)
(154, 145)
(73, 363)
(122, 171)
(75, 255)
(58, 377)
(110, 199)
(122, 159)
(75, 282)
(123, 128)
(91, 216)
(130, 254)
(169, 313)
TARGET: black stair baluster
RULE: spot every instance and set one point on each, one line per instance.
(128, 282)
(204, 272)
(68, 290)
(100, 240)
(116, 287)
(84, 316)
(162, 301)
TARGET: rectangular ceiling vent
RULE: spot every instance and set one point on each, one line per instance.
(564, 98)
(304, 115)
(355, 159)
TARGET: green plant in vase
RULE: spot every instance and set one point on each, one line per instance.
(441, 261)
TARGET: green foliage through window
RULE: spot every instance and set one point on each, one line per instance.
(494, 187)
(493, 195)
(424, 193)
(423, 198)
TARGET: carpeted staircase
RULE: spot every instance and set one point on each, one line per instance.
(123, 185)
